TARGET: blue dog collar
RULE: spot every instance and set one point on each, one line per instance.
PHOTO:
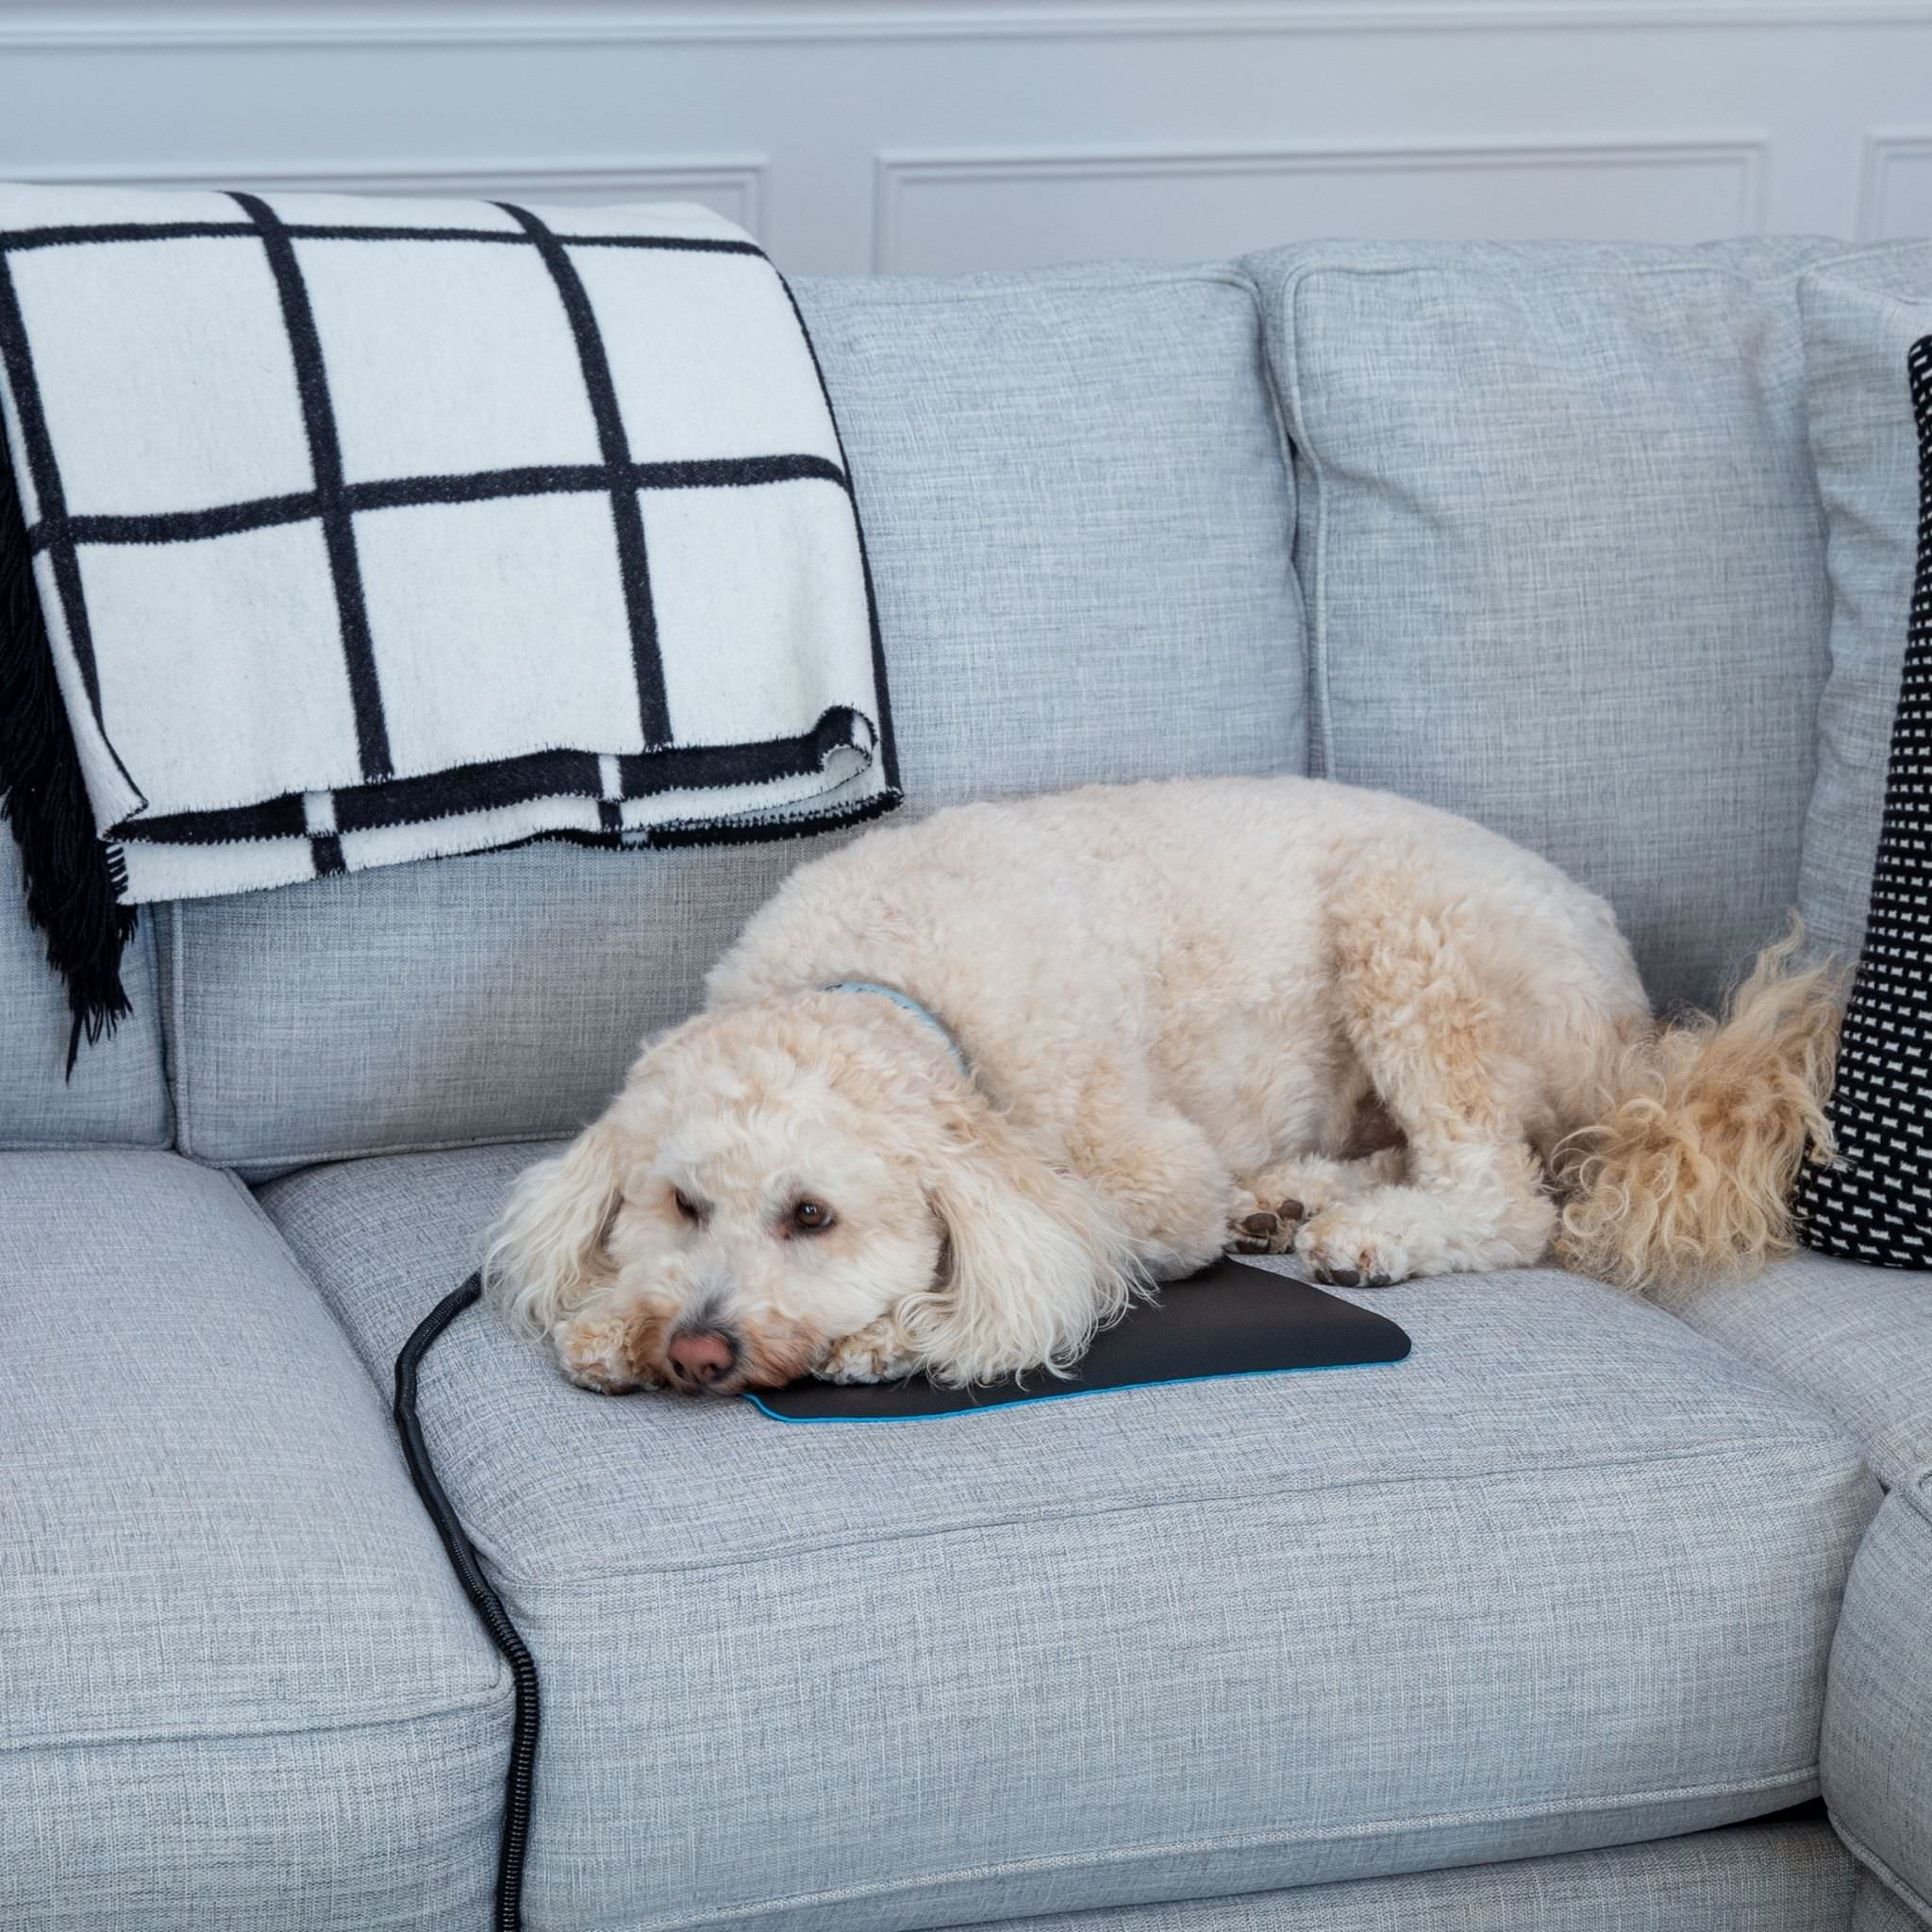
(907, 1004)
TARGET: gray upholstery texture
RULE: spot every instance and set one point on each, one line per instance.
(1878, 1909)
(1878, 1751)
(1856, 1339)
(1861, 315)
(1745, 1878)
(1565, 1577)
(1078, 515)
(118, 1095)
(242, 1687)
(1564, 562)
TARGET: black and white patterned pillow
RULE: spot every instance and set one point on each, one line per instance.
(1874, 1203)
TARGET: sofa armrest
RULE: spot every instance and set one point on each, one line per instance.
(1877, 1748)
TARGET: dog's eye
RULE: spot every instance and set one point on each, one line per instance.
(685, 1206)
(810, 1217)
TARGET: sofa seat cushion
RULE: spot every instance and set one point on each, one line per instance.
(1770, 1876)
(1564, 560)
(1877, 1752)
(242, 1689)
(1856, 1339)
(1078, 514)
(1565, 1577)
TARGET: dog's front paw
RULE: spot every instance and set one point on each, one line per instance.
(1345, 1249)
(1266, 1230)
(873, 1354)
(594, 1351)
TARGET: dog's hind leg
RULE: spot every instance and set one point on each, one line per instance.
(1481, 1207)
(1433, 1038)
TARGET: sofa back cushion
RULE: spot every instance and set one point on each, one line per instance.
(1079, 518)
(1564, 562)
(1862, 316)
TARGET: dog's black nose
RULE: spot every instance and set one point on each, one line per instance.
(702, 1355)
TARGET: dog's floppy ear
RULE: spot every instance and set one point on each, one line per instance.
(1034, 1260)
(546, 1252)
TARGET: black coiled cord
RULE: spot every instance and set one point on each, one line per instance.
(489, 1606)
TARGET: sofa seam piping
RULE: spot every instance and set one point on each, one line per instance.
(328, 1307)
(1284, 446)
(1120, 276)
(1892, 1880)
(486, 1701)
(1329, 1836)
(9, 1147)
(1851, 1456)
(302, 1269)
(1321, 697)
(287, 1166)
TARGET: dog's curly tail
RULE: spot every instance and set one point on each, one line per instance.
(1689, 1169)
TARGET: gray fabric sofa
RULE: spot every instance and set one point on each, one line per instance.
(1563, 1623)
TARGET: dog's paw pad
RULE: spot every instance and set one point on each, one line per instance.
(1341, 1252)
(1267, 1231)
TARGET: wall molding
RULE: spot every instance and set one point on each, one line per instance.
(1882, 154)
(1194, 111)
(37, 24)
(895, 172)
(646, 177)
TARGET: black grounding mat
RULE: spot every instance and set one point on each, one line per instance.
(1232, 1319)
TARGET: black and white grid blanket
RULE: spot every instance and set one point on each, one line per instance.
(371, 530)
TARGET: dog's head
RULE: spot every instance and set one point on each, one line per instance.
(780, 1175)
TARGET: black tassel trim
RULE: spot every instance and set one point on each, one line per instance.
(71, 877)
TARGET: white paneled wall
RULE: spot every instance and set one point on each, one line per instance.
(1896, 195)
(955, 134)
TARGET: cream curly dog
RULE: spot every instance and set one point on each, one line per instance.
(1158, 1020)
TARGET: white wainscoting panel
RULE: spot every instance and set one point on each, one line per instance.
(949, 135)
(732, 186)
(1020, 210)
(1895, 202)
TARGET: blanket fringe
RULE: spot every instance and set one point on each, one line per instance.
(69, 874)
